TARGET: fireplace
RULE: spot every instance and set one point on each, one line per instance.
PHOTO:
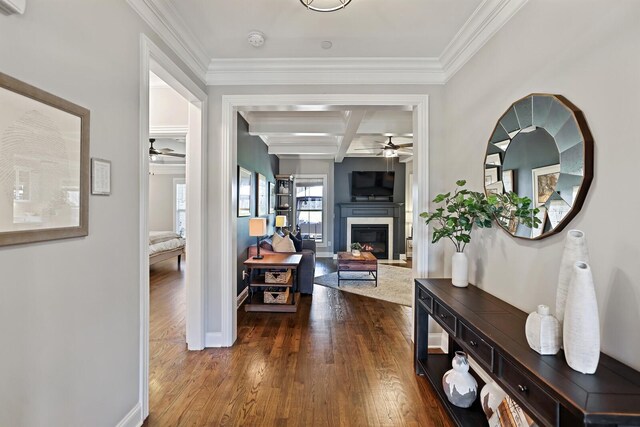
(374, 238)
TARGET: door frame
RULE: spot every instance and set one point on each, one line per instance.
(152, 58)
(232, 104)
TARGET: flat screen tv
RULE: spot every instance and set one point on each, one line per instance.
(372, 184)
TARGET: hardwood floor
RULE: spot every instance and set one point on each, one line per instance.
(341, 360)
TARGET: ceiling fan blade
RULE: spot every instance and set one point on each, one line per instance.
(409, 144)
(165, 150)
(368, 149)
(174, 155)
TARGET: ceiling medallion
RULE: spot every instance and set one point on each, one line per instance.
(325, 5)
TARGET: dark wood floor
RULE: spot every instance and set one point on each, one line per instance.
(341, 360)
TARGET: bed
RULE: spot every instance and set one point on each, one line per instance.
(164, 245)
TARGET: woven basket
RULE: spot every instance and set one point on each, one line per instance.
(277, 276)
(276, 297)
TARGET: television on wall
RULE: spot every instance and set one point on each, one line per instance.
(372, 184)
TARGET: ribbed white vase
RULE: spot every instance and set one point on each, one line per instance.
(581, 327)
(460, 270)
(543, 331)
(575, 249)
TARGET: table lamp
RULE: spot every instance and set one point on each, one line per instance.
(281, 221)
(257, 229)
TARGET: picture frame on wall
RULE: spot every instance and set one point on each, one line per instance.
(262, 200)
(272, 197)
(44, 165)
(544, 181)
(494, 159)
(244, 192)
(490, 175)
(100, 177)
(507, 179)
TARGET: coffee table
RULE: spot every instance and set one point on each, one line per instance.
(366, 262)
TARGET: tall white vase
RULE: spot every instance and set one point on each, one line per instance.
(581, 327)
(460, 270)
(575, 249)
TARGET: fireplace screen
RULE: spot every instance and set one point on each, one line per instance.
(373, 238)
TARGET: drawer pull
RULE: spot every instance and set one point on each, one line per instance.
(443, 316)
(472, 343)
(523, 388)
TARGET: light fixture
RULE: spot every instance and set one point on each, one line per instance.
(281, 221)
(325, 5)
(389, 152)
(256, 38)
(257, 229)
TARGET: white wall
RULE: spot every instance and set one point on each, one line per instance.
(321, 167)
(69, 310)
(161, 206)
(167, 108)
(588, 52)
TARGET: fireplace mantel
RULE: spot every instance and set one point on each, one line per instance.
(370, 209)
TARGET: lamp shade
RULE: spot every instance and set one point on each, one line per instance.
(281, 220)
(257, 227)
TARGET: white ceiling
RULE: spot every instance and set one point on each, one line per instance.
(366, 28)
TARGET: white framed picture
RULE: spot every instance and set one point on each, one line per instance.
(262, 195)
(494, 159)
(244, 192)
(490, 175)
(100, 177)
(495, 188)
(544, 181)
(507, 179)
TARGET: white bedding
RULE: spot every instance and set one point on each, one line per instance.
(167, 245)
(161, 236)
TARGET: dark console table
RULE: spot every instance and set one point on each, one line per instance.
(492, 333)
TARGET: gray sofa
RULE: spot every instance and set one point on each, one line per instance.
(307, 268)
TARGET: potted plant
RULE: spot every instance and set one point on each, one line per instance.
(356, 248)
(463, 209)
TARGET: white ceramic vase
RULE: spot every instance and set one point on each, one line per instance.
(355, 252)
(491, 396)
(459, 385)
(581, 326)
(543, 331)
(575, 249)
(460, 270)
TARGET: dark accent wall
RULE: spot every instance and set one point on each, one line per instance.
(342, 193)
(253, 155)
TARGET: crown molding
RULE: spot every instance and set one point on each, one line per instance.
(173, 132)
(304, 71)
(488, 18)
(167, 168)
(165, 21)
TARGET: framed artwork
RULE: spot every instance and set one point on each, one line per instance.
(556, 211)
(544, 181)
(100, 177)
(262, 196)
(494, 159)
(495, 188)
(490, 175)
(44, 165)
(507, 179)
(244, 192)
(272, 197)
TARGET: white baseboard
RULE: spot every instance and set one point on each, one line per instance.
(434, 340)
(133, 418)
(243, 296)
(403, 257)
(213, 339)
(324, 255)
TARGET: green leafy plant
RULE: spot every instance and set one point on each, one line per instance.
(463, 209)
(355, 246)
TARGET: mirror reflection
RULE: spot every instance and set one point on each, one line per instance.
(541, 148)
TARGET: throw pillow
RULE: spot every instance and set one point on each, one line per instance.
(283, 244)
(266, 244)
(297, 241)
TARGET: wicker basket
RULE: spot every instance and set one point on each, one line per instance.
(277, 276)
(276, 296)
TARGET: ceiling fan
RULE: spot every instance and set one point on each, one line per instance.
(389, 149)
(155, 152)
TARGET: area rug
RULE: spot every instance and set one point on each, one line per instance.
(395, 284)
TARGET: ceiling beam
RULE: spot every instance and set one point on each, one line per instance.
(353, 123)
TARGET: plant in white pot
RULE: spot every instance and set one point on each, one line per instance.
(455, 219)
(356, 248)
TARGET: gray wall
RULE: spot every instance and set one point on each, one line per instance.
(253, 155)
(342, 193)
(70, 309)
(586, 51)
(316, 167)
(161, 206)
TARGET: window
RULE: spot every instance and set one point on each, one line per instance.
(311, 195)
(180, 204)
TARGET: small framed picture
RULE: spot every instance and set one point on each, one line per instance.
(495, 188)
(507, 179)
(494, 159)
(545, 181)
(262, 196)
(490, 175)
(244, 192)
(100, 177)
(272, 197)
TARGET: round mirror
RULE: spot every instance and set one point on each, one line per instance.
(541, 148)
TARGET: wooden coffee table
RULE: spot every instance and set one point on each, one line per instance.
(364, 262)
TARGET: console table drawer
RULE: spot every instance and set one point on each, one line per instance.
(425, 299)
(445, 318)
(523, 388)
(478, 347)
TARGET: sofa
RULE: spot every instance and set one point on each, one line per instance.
(307, 268)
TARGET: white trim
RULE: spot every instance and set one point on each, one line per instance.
(133, 418)
(303, 71)
(167, 168)
(242, 297)
(358, 220)
(176, 181)
(403, 257)
(173, 132)
(173, 33)
(152, 58)
(434, 340)
(214, 339)
(488, 18)
(231, 105)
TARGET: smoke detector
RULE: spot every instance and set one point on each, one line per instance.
(255, 38)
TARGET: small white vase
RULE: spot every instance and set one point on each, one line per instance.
(543, 331)
(575, 249)
(459, 385)
(581, 327)
(460, 270)
(355, 252)
(491, 396)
